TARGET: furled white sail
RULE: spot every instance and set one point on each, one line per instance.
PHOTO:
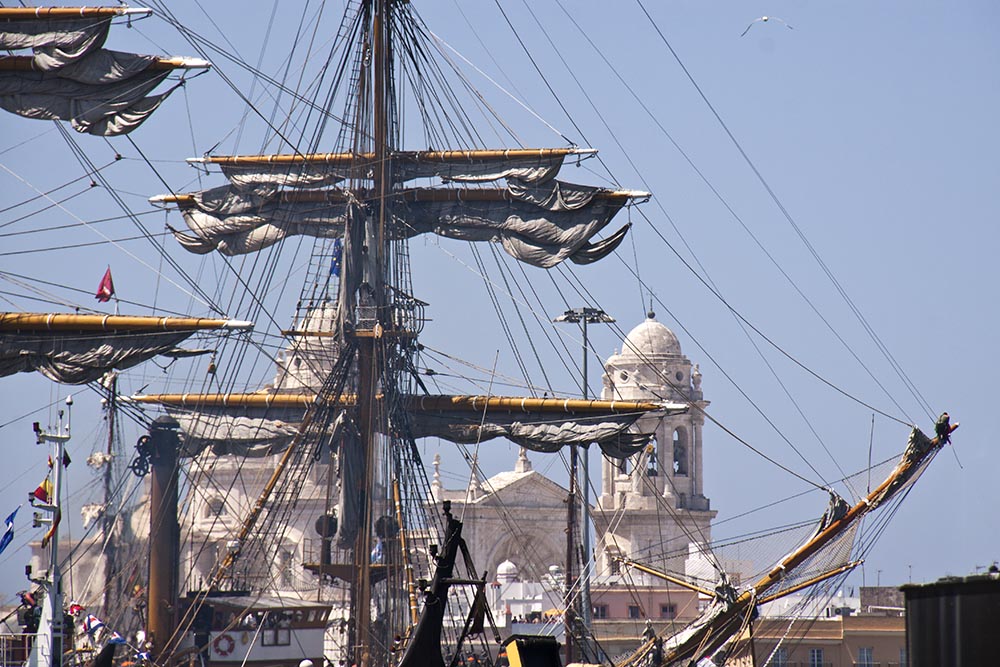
(104, 67)
(528, 232)
(75, 349)
(259, 173)
(613, 433)
(240, 435)
(261, 179)
(103, 109)
(76, 359)
(530, 168)
(55, 42)
(71, 77)
(539, 225)
(543, 425)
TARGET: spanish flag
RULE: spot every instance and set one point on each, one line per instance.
(43, 492)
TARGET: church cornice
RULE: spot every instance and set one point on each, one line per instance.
(507, 485)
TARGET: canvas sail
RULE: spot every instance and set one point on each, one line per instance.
(76, 349)
(261, 173)
(71, 77)
(539, 225)
(264, 422)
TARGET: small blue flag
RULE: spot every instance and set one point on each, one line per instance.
(8, 535)
(116, 639)
(338, 252)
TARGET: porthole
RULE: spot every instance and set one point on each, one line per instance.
(623, 376)
(679, 376)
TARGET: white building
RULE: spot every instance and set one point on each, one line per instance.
(653, 505)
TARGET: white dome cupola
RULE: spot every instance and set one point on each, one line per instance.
(651, 339)
(507, 572)
(651, 365)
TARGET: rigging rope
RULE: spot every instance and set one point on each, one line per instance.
(798, 230)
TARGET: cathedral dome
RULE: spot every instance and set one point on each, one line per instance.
(651, 339)
(506, 572)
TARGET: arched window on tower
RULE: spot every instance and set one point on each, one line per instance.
(623, 466)
(680, 452)
(614, 554)
(215, 507)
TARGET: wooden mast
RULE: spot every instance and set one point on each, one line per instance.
(164, 537)
(369, 340)
(570, 582)
(112, 584)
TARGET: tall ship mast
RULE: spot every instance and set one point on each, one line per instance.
(340, 427)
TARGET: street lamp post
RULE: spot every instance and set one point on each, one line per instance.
(583, 317)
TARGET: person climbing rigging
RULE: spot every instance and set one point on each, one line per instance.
(943, 428)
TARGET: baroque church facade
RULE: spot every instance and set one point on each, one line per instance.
(650, 507)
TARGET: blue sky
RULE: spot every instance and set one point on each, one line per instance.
(874, 125)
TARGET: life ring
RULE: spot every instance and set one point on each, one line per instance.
(224, 645)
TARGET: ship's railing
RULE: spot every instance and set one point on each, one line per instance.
(313, 552)
(366, 317)
(404, 313)
(14, 649)
(408, 312)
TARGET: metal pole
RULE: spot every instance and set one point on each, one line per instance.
(585, 397)
(583, 316)
(55, 594)
(570, 553)
(586, 607)
(50, 625)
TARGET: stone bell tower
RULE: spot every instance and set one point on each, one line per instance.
(653, 505)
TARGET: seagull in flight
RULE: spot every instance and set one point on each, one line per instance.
(765, 19)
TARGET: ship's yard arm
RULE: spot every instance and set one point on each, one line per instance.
(812, 581)
(28, 13)
(473, 404)
(27, 64)
(75, 349)
(65, 322)
(459, 418)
